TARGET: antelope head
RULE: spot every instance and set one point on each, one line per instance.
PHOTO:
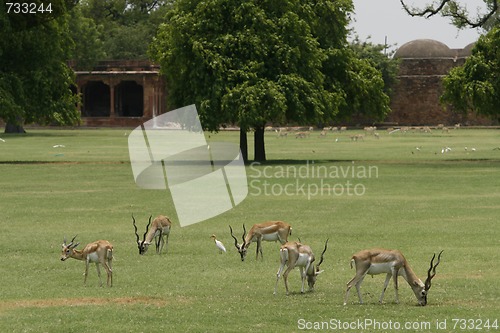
(422, 292)
(67, 249)
(142, 245)
(315, 270)
(242, 248)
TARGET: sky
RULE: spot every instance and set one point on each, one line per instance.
(381, 18)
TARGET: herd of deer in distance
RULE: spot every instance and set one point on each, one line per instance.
(292, 254)
(305, 132)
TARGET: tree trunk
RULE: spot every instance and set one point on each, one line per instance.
(14, 128)
(259, 147)
(244, 144)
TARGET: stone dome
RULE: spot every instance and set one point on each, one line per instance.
(424, 48)
(467, 51)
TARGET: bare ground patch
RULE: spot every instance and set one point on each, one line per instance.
(58, 302)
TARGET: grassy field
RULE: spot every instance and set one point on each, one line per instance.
(370, 193)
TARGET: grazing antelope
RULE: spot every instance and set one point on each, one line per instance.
(393, 263)
(267, 231)
(98, 252)
(301, 135)
(295, 254)
(160, 229)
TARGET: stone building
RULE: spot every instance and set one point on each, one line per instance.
(415, 99)
(128, 93)
(120, 93)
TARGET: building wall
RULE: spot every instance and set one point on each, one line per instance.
(415, 99)
(117, 78)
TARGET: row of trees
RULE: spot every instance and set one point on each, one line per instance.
(114, 29)
(246, 63)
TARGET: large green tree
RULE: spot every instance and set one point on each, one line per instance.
(255, 62)
(35, 81)
(476, 84)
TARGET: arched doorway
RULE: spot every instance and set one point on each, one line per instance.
(129, 99)
(96, 101)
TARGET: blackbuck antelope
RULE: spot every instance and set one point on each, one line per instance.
(267, 231)
(394, 264)
(160, 229)
(295, 254)
(98, 252)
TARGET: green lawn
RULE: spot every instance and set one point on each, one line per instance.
(420, 201)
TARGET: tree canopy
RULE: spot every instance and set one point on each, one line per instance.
(115, 29)
(35, 81)
(257, 62)
(459, 13)
(476, 84)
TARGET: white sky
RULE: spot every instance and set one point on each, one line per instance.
(381, 18)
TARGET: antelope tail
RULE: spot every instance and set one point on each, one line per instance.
(284, 255)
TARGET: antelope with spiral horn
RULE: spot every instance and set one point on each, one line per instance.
(295, 254)
(98, 252)
(267, 231)
(394, 264)
(160, 231)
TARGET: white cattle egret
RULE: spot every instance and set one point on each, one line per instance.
(219, 244)
(394, 131)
